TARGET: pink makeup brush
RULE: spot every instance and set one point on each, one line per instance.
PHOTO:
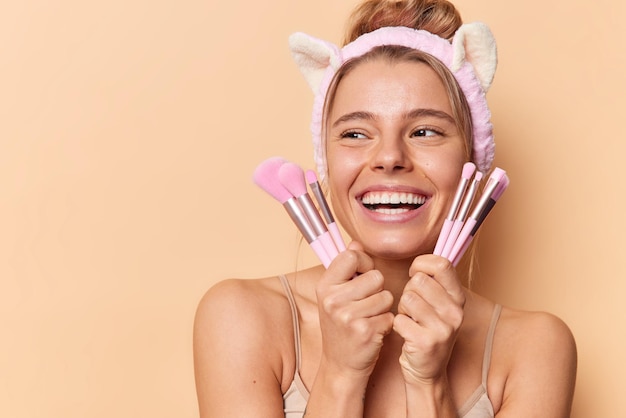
(500, 188)
(266, 177)
(462, 214)
(292, 177)
(497, 183)
(468, 170)
(314, 184)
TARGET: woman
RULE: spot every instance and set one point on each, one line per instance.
(388, 329)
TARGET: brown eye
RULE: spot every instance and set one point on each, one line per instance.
(426, 132)
(353, 135)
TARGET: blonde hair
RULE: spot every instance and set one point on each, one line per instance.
(438, 17)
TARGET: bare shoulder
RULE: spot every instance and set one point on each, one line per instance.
(241, 346)
(524, 332)
(241, 311)
(238, 297)
(535, 353)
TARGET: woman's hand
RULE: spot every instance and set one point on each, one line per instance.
(430, 313)
(354, 312)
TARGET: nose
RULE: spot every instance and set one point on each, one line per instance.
(390, 155)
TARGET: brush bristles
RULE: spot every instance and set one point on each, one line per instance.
(468, 170)
(292, 177)
(311, 177)
(266, 177)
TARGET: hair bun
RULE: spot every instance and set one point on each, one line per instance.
(439, 17)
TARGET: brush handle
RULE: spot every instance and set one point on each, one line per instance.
(329, 245)
(337, 238)
(452, 237)
(460, 244)
(318, 248)
(464, 248)
(443, 236)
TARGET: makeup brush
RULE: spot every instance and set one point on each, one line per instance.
(292, 177)
(266, 177)
(495, 187)
(462, 213)
(311, 179)
(503, 184)
(468, 170)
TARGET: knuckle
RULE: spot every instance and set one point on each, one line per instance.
(377, 278)
(443, 264)
(330, 304)
(454, 316)
(351, 256)
(419, 280)
(345, 316)
(407, 299)
(387, 299)
(361, 327)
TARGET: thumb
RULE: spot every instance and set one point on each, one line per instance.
(355, 246)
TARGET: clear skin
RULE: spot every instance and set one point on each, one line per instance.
(388, 330)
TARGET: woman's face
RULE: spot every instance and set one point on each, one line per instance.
(395, 157)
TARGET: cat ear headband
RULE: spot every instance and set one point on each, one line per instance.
(471, 57)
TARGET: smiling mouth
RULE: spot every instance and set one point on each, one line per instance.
(392, 203)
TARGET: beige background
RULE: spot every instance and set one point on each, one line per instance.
(129, 131)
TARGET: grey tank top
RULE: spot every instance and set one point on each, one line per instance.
(477, 405)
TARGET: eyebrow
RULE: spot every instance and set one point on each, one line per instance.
(416, 113)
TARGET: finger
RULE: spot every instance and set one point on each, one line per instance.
(380, 325)
(406, 327)
(361, 297)
(443, 273)
(364, 285)
(369, 307)
(346, 265)
(416, 308)
(444, 318)
(356, 246)
(430, 291)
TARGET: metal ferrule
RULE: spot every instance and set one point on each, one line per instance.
(457, 199)
(312, 214)
(299, 218)
(321, 200)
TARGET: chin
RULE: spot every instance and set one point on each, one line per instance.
(396, 251)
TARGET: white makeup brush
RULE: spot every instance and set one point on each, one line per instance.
(314, 184)
(292, 177)
(266, 177)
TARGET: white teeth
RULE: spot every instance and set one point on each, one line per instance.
(393, 198)
(388, 211)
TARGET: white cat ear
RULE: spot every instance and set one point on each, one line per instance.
(313, 56)
(474, 43)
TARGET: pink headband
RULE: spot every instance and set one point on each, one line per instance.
(471, 57)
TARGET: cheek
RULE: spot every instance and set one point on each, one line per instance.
(343, 169)
(447, 168)
(342, 165)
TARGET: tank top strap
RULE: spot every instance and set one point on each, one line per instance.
(294, 319)
(489, 342)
